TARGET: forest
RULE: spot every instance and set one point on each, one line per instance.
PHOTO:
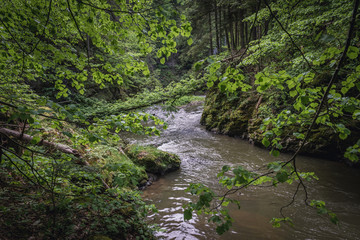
(91, 93)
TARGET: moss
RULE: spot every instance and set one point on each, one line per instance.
(188, 99)
(154, 160)
(242, 115)
(100, 237)
(228, 115)
(116, 167)
(320, 140)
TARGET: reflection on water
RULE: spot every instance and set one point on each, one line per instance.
(204, 153)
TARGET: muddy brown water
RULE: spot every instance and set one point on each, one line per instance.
(203, 154)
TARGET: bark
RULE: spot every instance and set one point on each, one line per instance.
(227, 32)
(246, 33)
(231, 28)
(258, 104)
(253, 33)
(236, 30)
(217, 28)
(266, 27)
(242, 29)
(253, 30)
(220, 29)
(211, 42)
(27, 138)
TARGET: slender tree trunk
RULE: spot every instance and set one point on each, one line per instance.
(211, 42)
(266, 26)
(253, 33)
(88, 44)
(236, 30)
(259, 31)
(246, 33)
(231, 29)
(220, 29)
(217, 28)
(242, 29)
(226, 30)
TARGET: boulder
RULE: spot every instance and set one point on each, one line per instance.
(152, 159)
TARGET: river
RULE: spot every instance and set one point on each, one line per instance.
(203, 153)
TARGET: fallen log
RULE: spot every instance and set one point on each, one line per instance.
(58, 146)
(27, 138)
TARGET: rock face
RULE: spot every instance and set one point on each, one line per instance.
(152, 159)
(242, 116)
(228, 116)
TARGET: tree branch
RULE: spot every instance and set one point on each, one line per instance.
(291, 39)
(78, 28)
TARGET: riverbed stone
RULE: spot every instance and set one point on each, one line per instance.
(152, 159)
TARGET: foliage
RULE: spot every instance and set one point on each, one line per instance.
(143, 99)
(68, 199)
(238, 179)
(63, 172)
(186, 100)
(306, 69)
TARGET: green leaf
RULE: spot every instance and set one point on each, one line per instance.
(352, 52)
(187, 214)
(265, 142)
(343, 136)
(275, 153)
(67, 134)
(162, 60)
(209, 84)
(198, 65)
(190, 41)
(293, 93)
(282, 176)
(225, 168)
(333, 218)
(299, 135)
(276, 166)
(35, 140)
(304, 100)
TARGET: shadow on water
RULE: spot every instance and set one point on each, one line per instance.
(204, 153)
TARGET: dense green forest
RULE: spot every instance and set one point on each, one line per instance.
(76, 75)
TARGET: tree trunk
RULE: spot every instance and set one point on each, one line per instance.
(231, 29)
(253, 33)
(266, 26)
(220, 29)
(226, 29)
(217, 28)
(246, 33)
(211, 42)
(236, 30)
(242, 29)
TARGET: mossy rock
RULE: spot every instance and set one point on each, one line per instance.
(154, 160)
(117, 168)
(100, 237)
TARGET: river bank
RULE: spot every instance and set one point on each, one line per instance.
(242, 116)
(203, 154)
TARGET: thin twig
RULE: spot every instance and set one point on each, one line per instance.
(292, 201)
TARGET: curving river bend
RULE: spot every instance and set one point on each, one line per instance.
(204, 153)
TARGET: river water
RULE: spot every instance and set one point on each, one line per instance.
(203, 153)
